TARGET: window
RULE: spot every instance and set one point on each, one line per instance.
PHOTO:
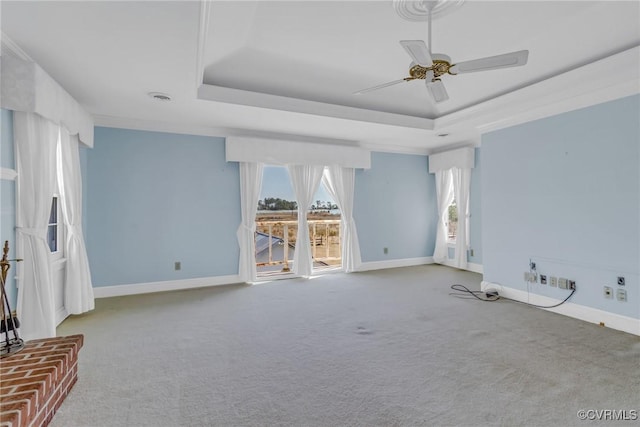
(52, 230)
(55, 230)
(452, 221)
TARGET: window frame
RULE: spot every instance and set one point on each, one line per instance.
(58, 254)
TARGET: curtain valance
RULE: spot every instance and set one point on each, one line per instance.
(27, 88)
(289, 152)
(461, 158)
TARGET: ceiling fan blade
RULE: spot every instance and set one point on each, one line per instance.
(513, 59)
(418, 51)
(395, 82)
(437, 91)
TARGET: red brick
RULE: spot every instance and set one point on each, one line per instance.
(16, 412)
(33, 384)
(21, 362)
(38, 420)
(12, 413)
(6, 390)
(5, 370)
(41, 375)
(52, 364)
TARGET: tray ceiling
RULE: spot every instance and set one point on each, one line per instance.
(291, 67)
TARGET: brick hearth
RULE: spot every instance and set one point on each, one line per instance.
(35, 381)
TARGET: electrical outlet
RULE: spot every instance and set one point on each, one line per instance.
(572, 284)
(385, 250)
(562, 283)
(621, 281)
(554, 281)
(177, 265)
(608, 292)
(621, 294)
(543, 279)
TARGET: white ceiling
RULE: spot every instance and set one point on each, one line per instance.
(290, 68)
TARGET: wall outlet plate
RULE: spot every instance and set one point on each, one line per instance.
(563, 283)
(621, 281)
(572, 284)
(554, 281)
(608, 292)
(543, 279)
(621, 294)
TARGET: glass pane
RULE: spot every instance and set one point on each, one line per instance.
(453, 220)
(52, 238)
(53, 216)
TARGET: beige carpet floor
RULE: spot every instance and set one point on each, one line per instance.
(384, 348)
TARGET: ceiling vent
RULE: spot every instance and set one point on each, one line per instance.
(159, 96)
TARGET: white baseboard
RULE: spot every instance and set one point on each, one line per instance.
(476, 268)
(471, 266)
(394, 263)
(588, 314)
(169, 285)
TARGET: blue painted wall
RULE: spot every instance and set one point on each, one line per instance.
(395, 207)
(475, 210)
(8, 199)
(156, 198)
(564, 191)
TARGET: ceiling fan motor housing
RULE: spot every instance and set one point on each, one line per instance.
(441, 66)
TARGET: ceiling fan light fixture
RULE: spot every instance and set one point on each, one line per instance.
(418, 10)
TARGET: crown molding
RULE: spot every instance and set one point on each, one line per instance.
(158, 126)
(395, 149)
(7, 43)
(581, 87)
(203, 30)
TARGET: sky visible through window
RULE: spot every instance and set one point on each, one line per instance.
(276, 183)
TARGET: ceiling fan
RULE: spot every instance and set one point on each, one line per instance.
(431, 66)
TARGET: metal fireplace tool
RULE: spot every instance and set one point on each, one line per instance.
(9, 322)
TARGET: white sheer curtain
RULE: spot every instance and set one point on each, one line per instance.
(340, 183)
(35, 141)
(78, 290)
(305, 180)
(250, 185)
(444, 195)
(461, 179)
